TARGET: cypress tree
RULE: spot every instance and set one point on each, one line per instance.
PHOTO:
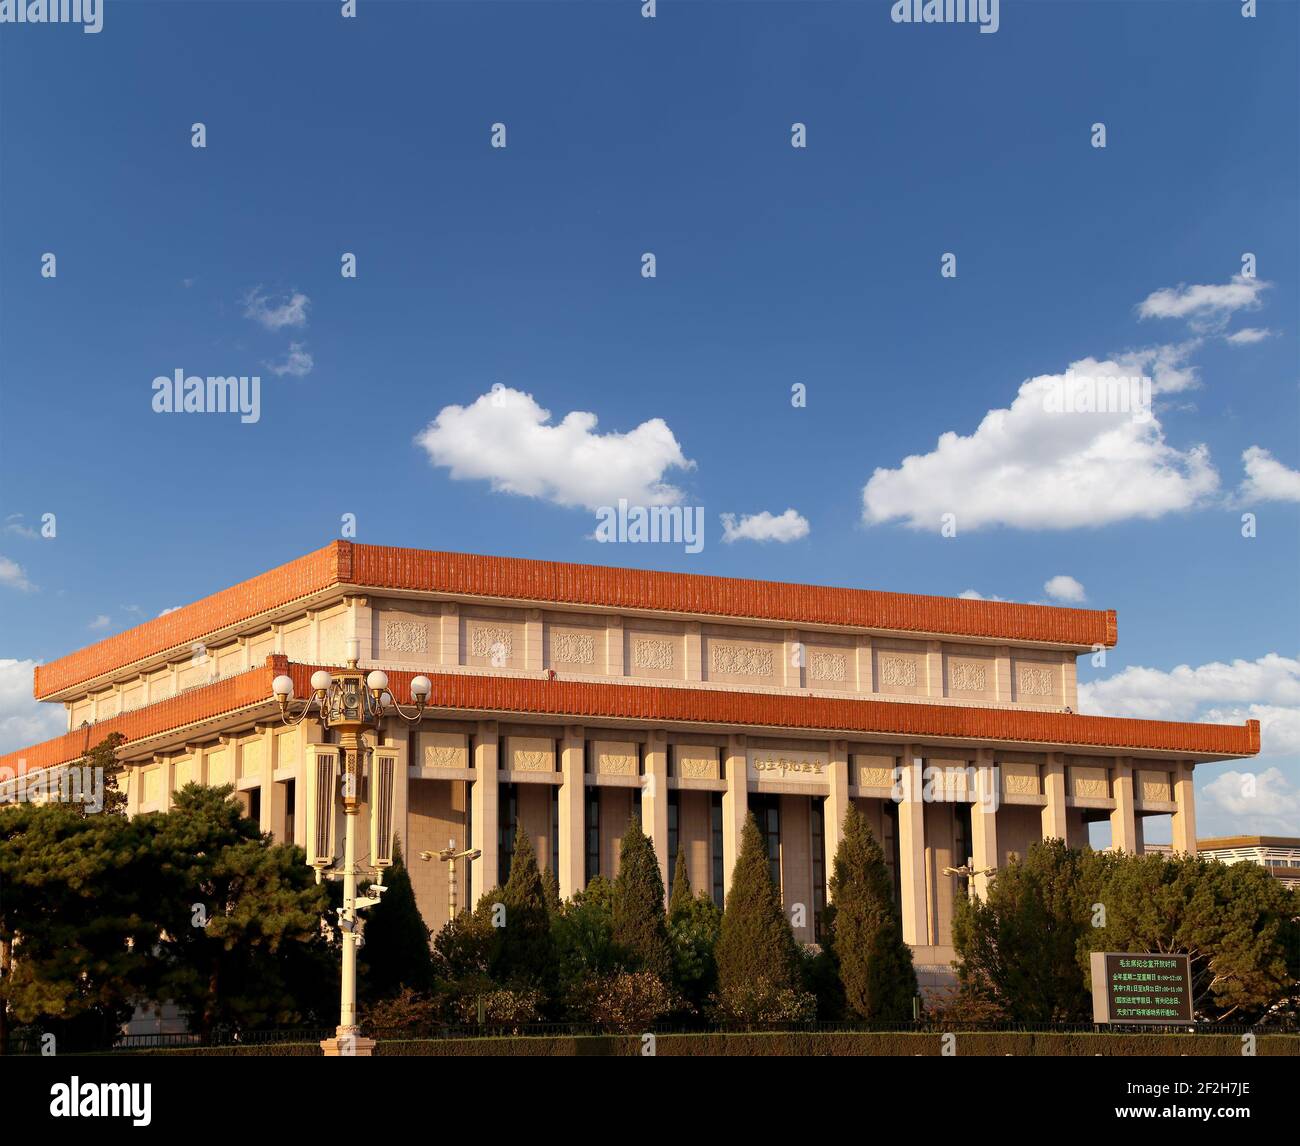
(522, 952)
(640, 925)
(551, 885)
(396, 949)
(756, 944)
(875, 965)
(680, 903)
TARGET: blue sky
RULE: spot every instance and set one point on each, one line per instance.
(521, 268)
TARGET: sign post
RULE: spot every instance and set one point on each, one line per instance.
(1141, 988)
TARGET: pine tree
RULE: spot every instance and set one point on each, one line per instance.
(551, 885)
(680, 902)
(875, 965)
(757, 945)
(523, 953)
(640, 925)
(396, 949)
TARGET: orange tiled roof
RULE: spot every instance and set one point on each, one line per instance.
(517, 579)
(577, 701)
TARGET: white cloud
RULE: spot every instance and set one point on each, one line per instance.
(1063, 587)
(1032, 467)
(504, 438)
(276, 312)
(1248, 335)
(1184, 692)
(102, 621)
(297, 361)
(975, 595)
(12, 576)
(23, 719)
(789, 526)
(15, 524)
(1203, 305)
(1267, 479)
(172, 609)
(1260, 803)
(1167, 365)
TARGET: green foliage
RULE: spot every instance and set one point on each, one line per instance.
(239, 916)
(584, 942)
(76, 920)
(103, 759)
(629, 1000)
(640, 925)
(522, 953)
(681, 897)
(551, 886)
(1017, 949)
(757, 955)
(866, 938)
(1234, 921)
(396, 949)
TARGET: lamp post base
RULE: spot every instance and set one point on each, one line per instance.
(347, 1043)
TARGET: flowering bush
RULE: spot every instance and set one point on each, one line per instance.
(629, 1001)
(762, 1002)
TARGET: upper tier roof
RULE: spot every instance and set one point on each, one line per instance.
(378, 567)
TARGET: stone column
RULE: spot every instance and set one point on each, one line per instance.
(984, 821)
(533, 641)
(654, 800)
(573, 810)
(1123, 820)
(1054, 826)
(485, 871)
(1184, 818)
(911, 850)
(735, 805)
(449, 637)
(406, 743)
(837, 804)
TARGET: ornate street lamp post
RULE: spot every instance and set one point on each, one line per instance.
(350, 704)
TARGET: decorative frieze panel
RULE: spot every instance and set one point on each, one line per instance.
(967, 676)
(828, 667)
(897, 672)
(1034, 680)
(739, 660)
(652, 653)
(220, 770)
(444, 749)
(573, 648)
(406, 636)
(297, 644)
(696, 762)
(187, 771)
(252, 757)
(1155, 787)
(786, 764)
(1019, 779)
(530, 754)
(615, 758)
(1090, 783)
(494, 642)
(873, 771)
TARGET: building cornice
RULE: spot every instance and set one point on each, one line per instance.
(344, 567)
(458, 694)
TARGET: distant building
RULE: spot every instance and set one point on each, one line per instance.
(1279, 854)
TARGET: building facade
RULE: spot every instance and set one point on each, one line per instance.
(1280, 855)
(569, 699)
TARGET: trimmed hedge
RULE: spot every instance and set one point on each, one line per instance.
(796, 1044)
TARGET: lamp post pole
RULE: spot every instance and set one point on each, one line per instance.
(350, 705)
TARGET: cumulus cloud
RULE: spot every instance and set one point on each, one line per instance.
(1185, 692)
(1204, 305)
(1248, 335)
(975, 595)
(297, 362)
(788, 526)
(275, 312)
(504, 437)
(1259, 803)
(23, 719)
(1033, 466)
(12, 576)
(1267, 479)
(1063, 587)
